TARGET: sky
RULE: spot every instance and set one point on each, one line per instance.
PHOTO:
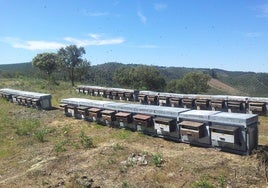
(223, 34)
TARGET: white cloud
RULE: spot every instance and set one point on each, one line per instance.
(263, 11)
(94, 35)
(160, 6)
(143, 19)
(33, 44)
(94, 42)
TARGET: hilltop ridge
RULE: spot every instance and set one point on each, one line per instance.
(223, 82)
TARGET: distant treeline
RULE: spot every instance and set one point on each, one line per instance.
(253, 84)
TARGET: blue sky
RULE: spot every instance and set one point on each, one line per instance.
(224, 34)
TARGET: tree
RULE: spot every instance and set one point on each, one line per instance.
(194, 82)
(82, 70)
(46, 62)
(140, 77)
(149, 77)
(191, 83)
(70, 58)
(125, 77)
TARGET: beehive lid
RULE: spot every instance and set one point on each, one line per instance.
(218, 97)
(162, 119)
(71, 101)
(148, 93)
(237, 98)
(141, 117)
(234, 118)
(224, 128)
(109, 112)
(94, 110)
(191, 123)
(176, 95)
(258, 99)
(27, 94)
(82, 107)
(128, 107)
(169, 111)
(200, 115)
(113, 105)
(123, 114)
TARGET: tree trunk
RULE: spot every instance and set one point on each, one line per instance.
(72, 76)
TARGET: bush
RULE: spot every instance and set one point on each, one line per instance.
(158, 159)
(221, 181)
(117, 146)
(59, 147)
(202, 183)
(40, 135)
(86, 141)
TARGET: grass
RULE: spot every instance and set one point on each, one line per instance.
(28, 137)
(86, 141)
(202, 183)
(26, 127)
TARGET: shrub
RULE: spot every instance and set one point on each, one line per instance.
(158, 159)
(59, 147)
(86, 141)
(125, 184)
(221, 181)
(117, 146)
(202, 183)
(40, 135)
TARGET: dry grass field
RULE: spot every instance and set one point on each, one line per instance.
(46, 149)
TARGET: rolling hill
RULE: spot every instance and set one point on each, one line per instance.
(222, 82)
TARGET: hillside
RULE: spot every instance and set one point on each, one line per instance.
(245, 83)
(59, 158)
(223, 88)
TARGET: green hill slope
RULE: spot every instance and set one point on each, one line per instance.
(243, 83)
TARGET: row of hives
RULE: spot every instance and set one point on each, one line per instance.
(26, 98)
(232, 132)
(226, 103)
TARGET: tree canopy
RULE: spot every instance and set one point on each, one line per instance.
(46, 62)
(191, 83)
(71, 58)
(140, 77)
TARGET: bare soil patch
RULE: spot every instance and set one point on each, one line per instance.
(61, 161)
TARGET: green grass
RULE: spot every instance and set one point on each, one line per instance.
(26, 127)
(29, 135)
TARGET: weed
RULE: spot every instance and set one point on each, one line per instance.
(125, 184)
(65, 130)
(117, 147)
(59, 147)
(75, 145)
(86, 141)
(111, 161)
(123, 169)
(221, 181)
(202, 183)
(40, 135)
(158, 159)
